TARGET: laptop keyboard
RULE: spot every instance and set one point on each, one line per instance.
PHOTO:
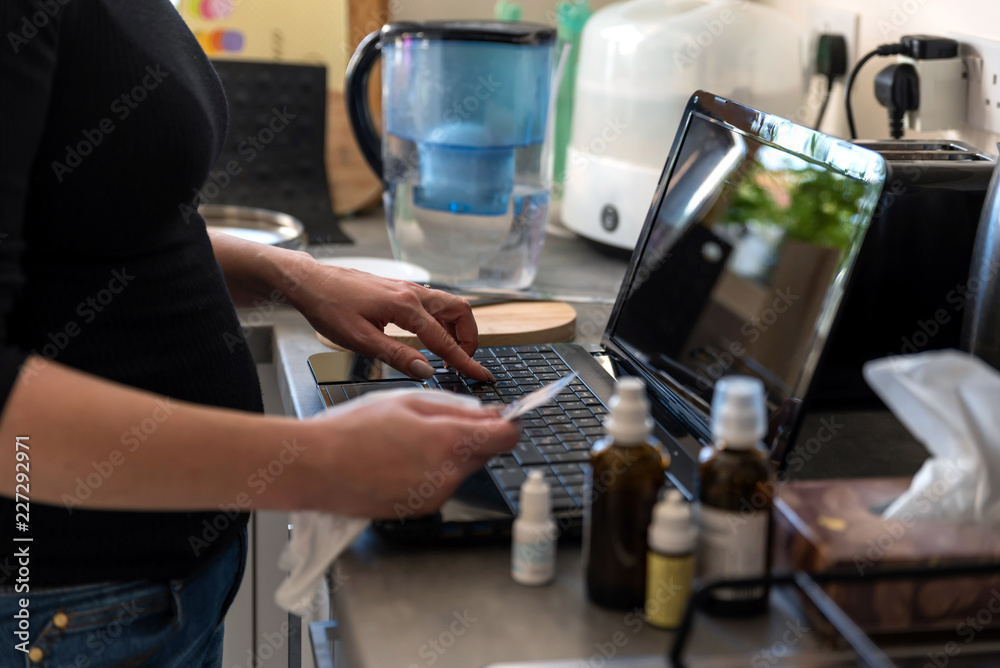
(556, 438)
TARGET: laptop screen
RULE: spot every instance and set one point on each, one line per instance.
(745, 253)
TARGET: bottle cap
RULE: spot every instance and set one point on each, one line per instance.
(739, 413)
(629, 420)
(535, 504)
(671, 529)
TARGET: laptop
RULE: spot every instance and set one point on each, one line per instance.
(739, 269)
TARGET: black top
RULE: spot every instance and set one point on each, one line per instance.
(500, 32)
(111, 117)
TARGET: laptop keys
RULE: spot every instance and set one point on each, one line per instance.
(583, 445)
(505, 460)
(509, 478)
(568, 457)
(557, 437)
(555, 419)
(574, 480)
(568, 469)
(562, 499)
(527, 454)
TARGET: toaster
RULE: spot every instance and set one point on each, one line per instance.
(908, 291)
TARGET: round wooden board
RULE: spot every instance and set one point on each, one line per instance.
(507, 324)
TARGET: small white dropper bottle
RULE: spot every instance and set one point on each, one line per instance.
(533, 550)
(670, 565)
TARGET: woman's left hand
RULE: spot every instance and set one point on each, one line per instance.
(352, 308)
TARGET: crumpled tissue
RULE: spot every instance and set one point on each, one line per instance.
(318, 538)
(950, 402)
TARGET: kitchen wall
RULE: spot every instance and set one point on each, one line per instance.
(881, 21)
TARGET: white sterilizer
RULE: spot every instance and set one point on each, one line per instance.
(639, 63)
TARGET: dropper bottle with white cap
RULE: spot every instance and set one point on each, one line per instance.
(670, 563)
(620, 489)
(533, 558)
(735, 497)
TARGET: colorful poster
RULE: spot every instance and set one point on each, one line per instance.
(304, 31)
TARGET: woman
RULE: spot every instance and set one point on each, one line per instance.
(128, 412)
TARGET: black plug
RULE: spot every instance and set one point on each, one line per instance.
(831, 62)
(897, 87)
(929, 47)
(831, 56)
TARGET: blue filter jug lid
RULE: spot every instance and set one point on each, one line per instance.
(500, 32)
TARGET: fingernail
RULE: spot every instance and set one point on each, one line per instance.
(421, 369)
(488, 373)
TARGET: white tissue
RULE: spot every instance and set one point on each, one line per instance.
(950, 401)
(317, 541)
(318, 538)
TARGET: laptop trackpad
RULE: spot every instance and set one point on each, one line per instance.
(341, 393)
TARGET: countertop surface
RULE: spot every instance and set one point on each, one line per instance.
(457, 606)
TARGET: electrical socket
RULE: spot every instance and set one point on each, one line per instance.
(837, 22)
(982, 64)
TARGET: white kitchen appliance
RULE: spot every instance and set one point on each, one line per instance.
(639, 63)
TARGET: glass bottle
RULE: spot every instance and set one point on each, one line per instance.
(736, 497)
(627, 472)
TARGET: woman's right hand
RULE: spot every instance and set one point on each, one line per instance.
(401, 454)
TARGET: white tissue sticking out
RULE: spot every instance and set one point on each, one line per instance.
(317, 541)
(950, 401)
(319, 538)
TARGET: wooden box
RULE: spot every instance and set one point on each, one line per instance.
(821, 525)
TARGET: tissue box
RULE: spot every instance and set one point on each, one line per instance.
(822, 525)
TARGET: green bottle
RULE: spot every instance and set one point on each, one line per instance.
(570, 19)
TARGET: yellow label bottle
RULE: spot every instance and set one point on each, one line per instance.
(670, 561)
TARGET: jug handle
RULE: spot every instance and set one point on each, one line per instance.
(356, 98)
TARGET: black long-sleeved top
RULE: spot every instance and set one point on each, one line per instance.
(110, 117)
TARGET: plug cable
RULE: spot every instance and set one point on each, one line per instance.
(881, 50)
(825, 102)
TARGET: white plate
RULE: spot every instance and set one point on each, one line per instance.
(403, 271)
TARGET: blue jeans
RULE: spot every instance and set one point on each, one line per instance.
(118, 624)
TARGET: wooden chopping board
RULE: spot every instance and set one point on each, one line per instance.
(507, 324)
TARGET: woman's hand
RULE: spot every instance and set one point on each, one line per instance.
(401, 454)
(352, 308)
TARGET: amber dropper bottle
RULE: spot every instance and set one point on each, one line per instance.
(735, 497)
(627, 472)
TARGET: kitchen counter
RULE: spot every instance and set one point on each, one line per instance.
(458, 606)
